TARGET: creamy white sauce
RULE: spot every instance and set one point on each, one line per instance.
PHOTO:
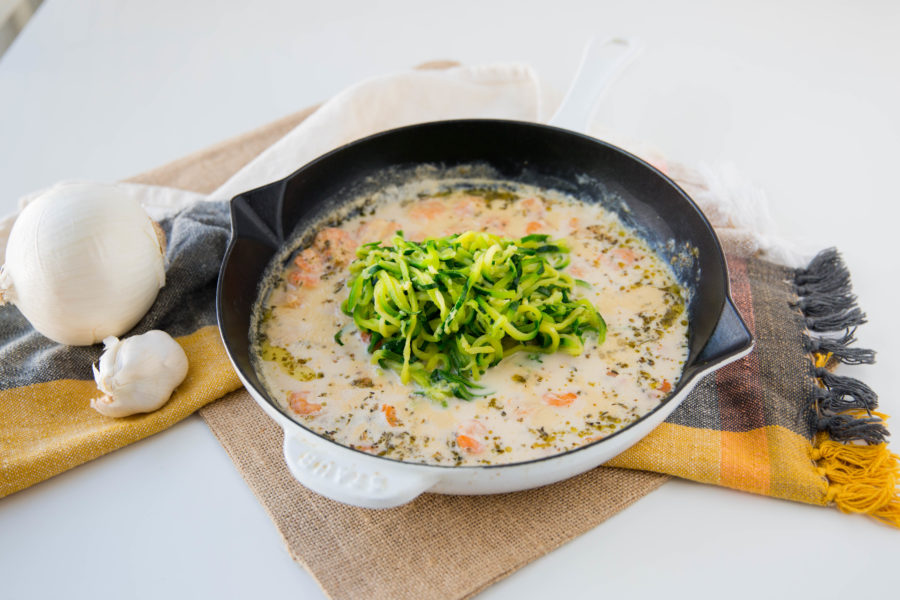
(538, 404)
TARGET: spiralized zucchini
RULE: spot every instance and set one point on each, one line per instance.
(443, 311)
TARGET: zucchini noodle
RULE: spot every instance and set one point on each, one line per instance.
(443, 311)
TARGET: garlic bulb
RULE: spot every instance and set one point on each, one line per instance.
(138, 374)
(83, 262)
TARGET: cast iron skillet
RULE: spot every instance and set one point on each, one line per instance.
(266, 218)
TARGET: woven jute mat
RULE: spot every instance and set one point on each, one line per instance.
(437, 547)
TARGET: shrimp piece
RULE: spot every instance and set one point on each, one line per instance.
(559, 399)
(300, 405)
(520, 407)
(534, 227)
(624, 257)
(576, 270)
(466, 435)
(310, 267)
(331, 245)
(427, 210)
(336, 244)
(532, 208)
(466, 207)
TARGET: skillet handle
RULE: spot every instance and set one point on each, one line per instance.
(729, 341)
(336, 474)
(602, 60)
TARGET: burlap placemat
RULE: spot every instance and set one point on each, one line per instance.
(441, 547)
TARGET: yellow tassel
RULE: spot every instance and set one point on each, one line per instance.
(821, 359)
(862, 479)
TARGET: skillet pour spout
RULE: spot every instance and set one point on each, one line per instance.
(264, 220)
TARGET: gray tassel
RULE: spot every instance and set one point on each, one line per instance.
(826, 274)
(844, 393)
(819, 305)
(847, 428)
(825, 296)
(836, 322)
(840, 349)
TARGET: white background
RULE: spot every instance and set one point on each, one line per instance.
(803, 97)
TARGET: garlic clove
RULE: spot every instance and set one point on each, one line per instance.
(138, 374)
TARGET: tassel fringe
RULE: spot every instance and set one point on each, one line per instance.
(851, 453)
(821, 305)
(825, 295)
(839, 349)
(826, 274)
(836, 321)
(862, 479)
(844, 393)
(847, 428)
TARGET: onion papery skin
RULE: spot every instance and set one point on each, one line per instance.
(84, 263)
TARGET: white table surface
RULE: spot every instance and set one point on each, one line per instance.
(802, 96)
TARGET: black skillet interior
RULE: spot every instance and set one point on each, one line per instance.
(265, 218)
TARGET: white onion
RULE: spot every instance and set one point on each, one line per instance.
(83, 262)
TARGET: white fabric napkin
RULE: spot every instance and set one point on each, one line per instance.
(509, 91)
